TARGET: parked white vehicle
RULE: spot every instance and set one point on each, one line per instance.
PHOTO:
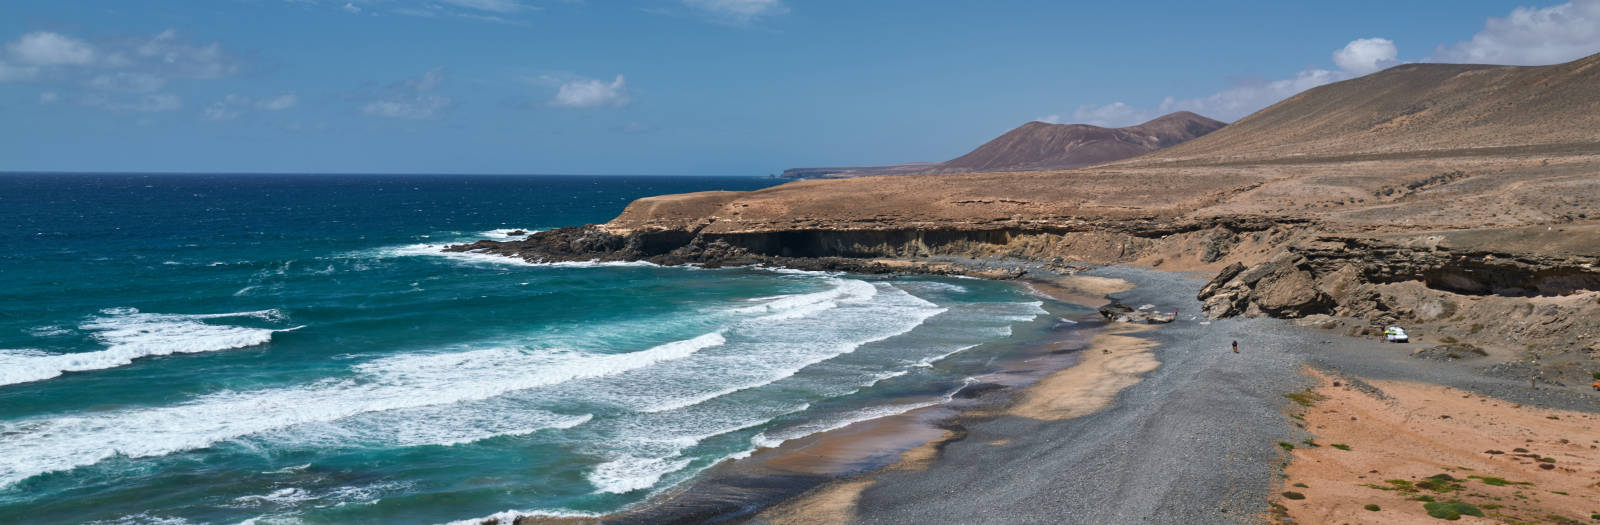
(1395, 334)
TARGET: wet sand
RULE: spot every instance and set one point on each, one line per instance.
(1112, 362)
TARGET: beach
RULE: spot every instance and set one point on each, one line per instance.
(1147, 424)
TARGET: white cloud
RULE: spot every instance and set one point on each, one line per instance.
(412, 99)
(592, 93)
(133, 82)
(44, 48)
(1227, 105)
(154, 103)
(1366, 55)
(351, 7)
(49, 97)
(738, 11)
(1110, 115)
(169, 54)
(233, 106)
(280, 102)
(230, 107)
(496, 6)
(418, 108)
(10, 73)
(1530, 36)
(1246, 98)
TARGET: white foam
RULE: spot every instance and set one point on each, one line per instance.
(929, 361)
(142, 518)
(510, 516)
(772, 439)
(480, 258)
(629, 473)
(774, 347)
(943, 287)
(320, 498)
(793, 271)
(1028, 311)
(674, 400)
(505, 233)
(282, 496)
(775, 438)
(48, 331)
(804, 305)
(130, 334)
(402, 382)
(438, 250)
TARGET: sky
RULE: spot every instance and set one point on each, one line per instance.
(708, 87)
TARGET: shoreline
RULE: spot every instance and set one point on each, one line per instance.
(750, 487)
(1192, 436)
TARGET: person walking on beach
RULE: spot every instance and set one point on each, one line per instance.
(1235, 347)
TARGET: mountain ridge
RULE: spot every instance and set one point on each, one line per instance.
(1040, 145)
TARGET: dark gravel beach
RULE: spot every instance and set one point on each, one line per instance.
(1189, 444)
(1194, 442)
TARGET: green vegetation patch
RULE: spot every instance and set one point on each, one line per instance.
(1341, 446)
(1498, 482)
(1372, 507)
(1296, 495)
(1302, 485)
(1451, 510)
(1305, 398)
(1286, 445)
(1397, 484)
(1309, 443)
(1440, 483)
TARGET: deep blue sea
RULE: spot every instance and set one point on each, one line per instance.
(296, 349)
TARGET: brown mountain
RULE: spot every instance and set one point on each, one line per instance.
(1042, 146)
(1412, 109)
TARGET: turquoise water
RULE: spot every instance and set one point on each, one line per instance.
(296, 349)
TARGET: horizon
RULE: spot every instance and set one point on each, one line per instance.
(691, 87)
(362, 174)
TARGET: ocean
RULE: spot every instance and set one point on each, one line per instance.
(297, 349)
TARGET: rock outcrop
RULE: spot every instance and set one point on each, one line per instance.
(1281, 287)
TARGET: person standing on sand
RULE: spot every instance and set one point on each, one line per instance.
(1235, 347)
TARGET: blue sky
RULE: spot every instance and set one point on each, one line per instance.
(738, 87)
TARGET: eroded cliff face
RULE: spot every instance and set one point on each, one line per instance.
(1199, 244)
(1539, 312)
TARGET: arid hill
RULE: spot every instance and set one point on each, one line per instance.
(1413, 110)
(1042, 146)
(1039, 146)
(1460, 200)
